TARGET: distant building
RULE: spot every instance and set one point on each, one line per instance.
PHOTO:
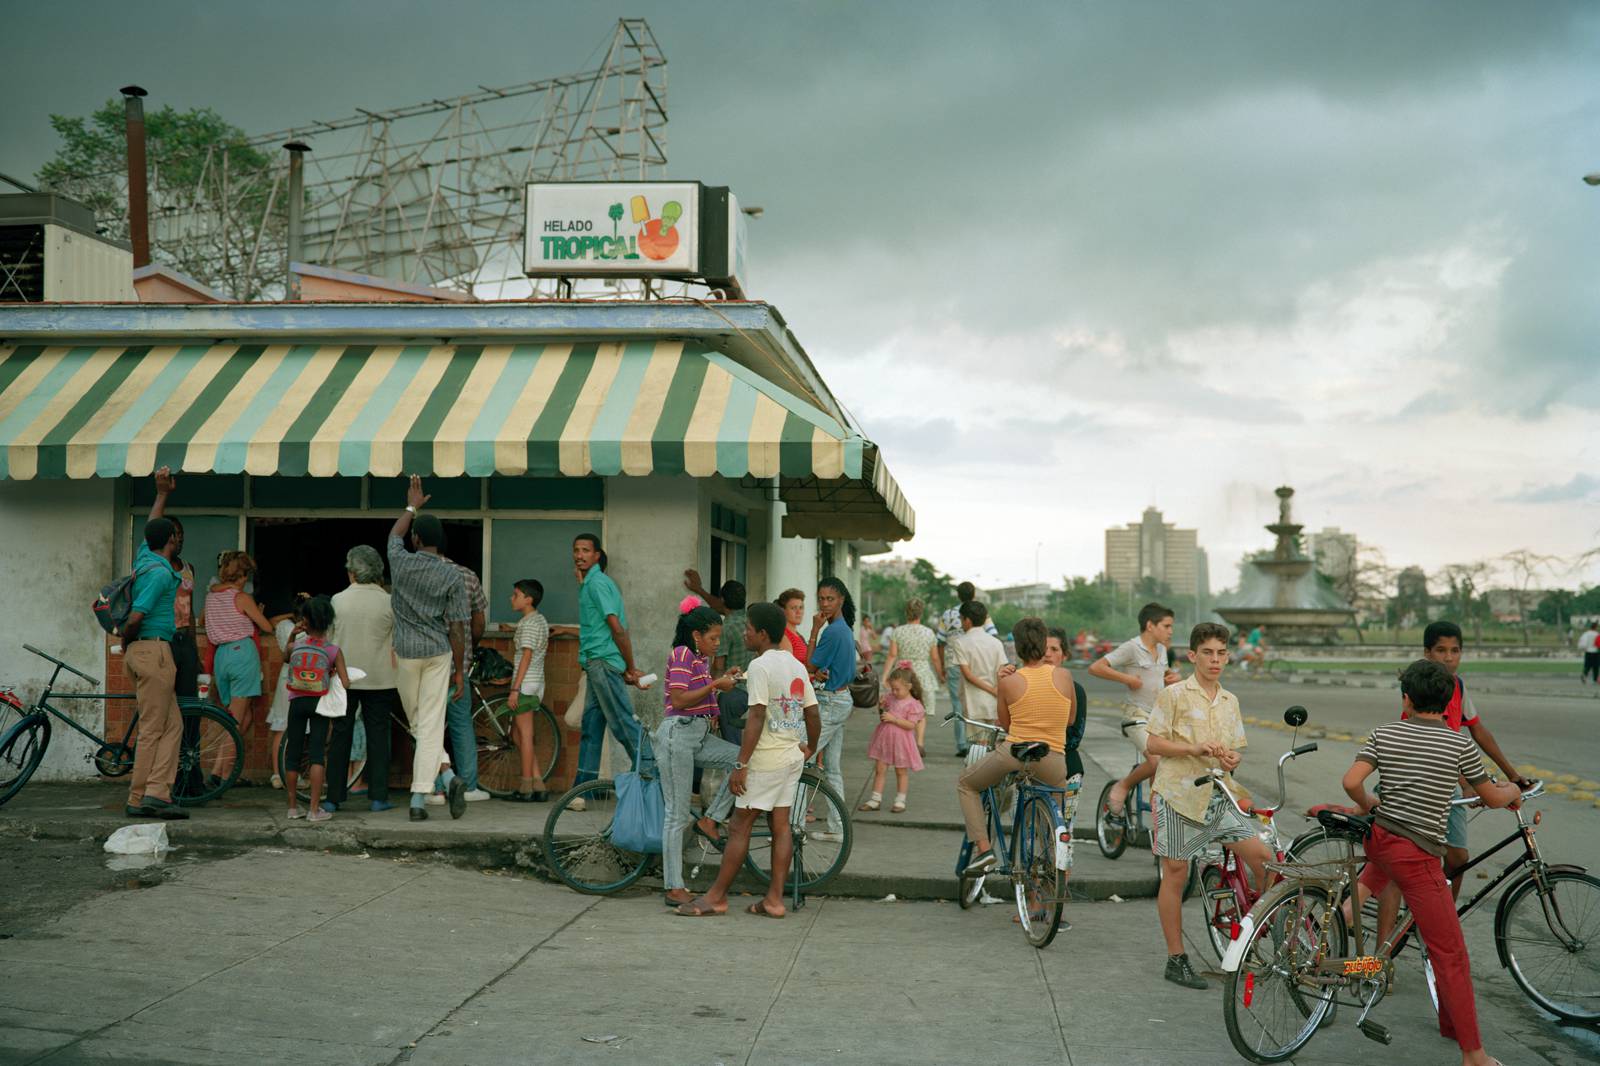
(1163, 554)
(1508, 605)
(1335, 552)
(1034, 597)
(892, 567)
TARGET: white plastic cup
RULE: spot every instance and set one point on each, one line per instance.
(646, 681)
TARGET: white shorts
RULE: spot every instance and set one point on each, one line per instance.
(533, 688)
(1134, 729)
(767, 790)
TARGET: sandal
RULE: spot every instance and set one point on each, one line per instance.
(871, 805)
(759, 908)
(715, 841)
(689, 910)
(898, 808)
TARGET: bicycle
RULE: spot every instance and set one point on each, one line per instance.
(1547, 906)
(578, 849)
(1226, 894)
(1112, 836)
(493, 725)
(1037, 851)
(208, 733)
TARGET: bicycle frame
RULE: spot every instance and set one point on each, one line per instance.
(1027, 788)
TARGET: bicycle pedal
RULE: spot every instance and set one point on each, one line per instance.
(1220, 893)
(1375, 1031)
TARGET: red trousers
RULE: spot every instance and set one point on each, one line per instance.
(1391, 857)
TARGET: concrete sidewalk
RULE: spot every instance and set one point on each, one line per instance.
(910, 855)
(293, 956)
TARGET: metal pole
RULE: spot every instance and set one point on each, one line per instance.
(138, 176)
(291, 280)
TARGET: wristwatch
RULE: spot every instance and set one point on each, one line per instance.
(737, 765)
(410, 508)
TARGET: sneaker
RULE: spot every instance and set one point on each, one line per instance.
(436, 799)
(579, 804)
(381, 805)
(981, 863)
(320, 816)
(277, 782)
(456, 793)
(822, 836)
(1179, 972)
(295, 812)
(476, 794)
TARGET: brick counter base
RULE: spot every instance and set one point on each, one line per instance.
(561, 682)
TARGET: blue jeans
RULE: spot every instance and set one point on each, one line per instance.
(607, 707)
(834, 709)
(463, 741)
(952, 681)
(685, 743)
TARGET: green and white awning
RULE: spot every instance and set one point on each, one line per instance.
(544, 409)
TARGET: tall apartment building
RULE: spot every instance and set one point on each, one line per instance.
(1335, 552)
(1160, 551)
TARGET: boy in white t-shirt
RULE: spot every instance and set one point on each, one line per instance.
(529, 645)
(781, 732)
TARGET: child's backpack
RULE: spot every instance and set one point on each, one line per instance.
(115, 603)
(310, 666)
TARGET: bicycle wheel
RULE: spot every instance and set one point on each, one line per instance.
(1113, 839)
(21, 749)
(1271, 1008)
(302, 767)
(208, 734)
(1219, 910)
(577, 842)
(1037, 882)
(1548, 940)
(499, 759)
(819, 858)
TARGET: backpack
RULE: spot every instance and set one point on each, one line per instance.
(115, 603)
(490, 667)
(310, 666)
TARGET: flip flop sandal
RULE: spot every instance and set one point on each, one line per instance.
(871, 805)
(898, 808)
(717, 842)
(675, 903)
(689, 910)
(759, 909)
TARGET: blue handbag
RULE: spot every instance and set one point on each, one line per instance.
(641, 813)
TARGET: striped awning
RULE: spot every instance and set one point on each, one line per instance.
(543, 409)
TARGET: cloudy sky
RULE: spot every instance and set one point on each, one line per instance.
(1069, 260)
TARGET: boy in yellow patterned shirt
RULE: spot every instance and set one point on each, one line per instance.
(1195, 728)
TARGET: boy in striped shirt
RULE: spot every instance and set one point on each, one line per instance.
(1419, 760)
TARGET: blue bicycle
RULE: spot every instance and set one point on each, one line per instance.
(1038, 849)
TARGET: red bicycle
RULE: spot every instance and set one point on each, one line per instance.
(1225, 894)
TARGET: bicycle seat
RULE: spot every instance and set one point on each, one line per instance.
(1349, 826)
(1031, 751)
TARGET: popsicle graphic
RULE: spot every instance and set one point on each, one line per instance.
(641, 210)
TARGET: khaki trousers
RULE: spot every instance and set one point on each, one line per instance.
(155, 755)
(424, 686)
(991, 770)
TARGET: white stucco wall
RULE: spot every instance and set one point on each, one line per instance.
(652, 534)
(791, 561)
(58, 538)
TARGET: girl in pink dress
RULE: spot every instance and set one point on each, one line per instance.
(894, 742)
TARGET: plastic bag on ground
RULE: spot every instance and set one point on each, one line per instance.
(143, 838)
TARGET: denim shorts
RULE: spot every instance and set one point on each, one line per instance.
(236, 670)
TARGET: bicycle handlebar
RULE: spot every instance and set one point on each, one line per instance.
(1214, 777)
(65, 666)
(995, 726)
(1533, 791)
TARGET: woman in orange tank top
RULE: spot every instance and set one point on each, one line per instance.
(1033, 704)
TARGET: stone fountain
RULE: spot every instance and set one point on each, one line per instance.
(1280, 589)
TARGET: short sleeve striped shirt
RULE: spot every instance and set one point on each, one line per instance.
(686, 672)
(1418, 761)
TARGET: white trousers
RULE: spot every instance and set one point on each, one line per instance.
(424, 686)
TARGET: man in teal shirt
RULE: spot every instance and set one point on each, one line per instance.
(147, 658)
(605, 654)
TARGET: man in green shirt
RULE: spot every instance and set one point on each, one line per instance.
(605, 654)
(147, 658)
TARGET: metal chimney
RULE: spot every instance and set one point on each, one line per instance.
(138, 177)
(291, 280)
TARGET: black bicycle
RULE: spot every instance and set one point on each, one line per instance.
(209, 734)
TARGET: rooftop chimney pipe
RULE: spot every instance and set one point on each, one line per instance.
(138, 188)
(291, 280)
